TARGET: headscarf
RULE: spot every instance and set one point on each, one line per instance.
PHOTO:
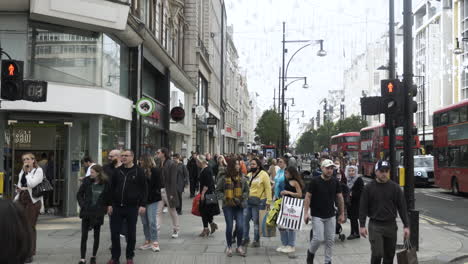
(351, 180)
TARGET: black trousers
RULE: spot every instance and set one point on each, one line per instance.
(382, 237)
(179, 209)
(354, 226)
(119, 215)
(207, 217)
(85, 228)
(193, 184)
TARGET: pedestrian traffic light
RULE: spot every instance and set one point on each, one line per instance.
(392, 97)
(12, 80)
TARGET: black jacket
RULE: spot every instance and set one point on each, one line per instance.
(193, 169)
(85, 196)
(129, 187)
(154, 186)
(182, 177)
(109, 170)
(353, 207)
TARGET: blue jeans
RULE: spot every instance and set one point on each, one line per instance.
(252, 213)
(149, 222)
(288, 237)
(231, 214)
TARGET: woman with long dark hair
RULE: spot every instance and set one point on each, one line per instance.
(148, 219)
(293, 186)
(93, 198)
(206, 187)
(15, 240)
(232, 188)
(30, 176)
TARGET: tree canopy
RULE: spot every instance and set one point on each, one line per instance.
(316, 140)
(269, 128)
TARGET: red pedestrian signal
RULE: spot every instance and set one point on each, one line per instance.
(12, 80)
(11, 70)
(390, 87)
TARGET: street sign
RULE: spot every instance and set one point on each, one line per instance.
(35, 91)
(177, 113)
(145, 106)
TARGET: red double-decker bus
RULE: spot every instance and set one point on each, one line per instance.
(451, 147)
(345, 145)
(374, 145)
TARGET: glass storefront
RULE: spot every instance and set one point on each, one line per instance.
(113, 135)
(73, 56)
(151, 140)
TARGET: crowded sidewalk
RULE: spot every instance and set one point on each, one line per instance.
(58, 241)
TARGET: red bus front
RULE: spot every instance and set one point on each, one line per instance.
(374, 145)
(345, 145)
(451, 147)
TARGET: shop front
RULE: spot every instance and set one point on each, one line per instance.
(153, 129)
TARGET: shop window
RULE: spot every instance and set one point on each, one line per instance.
(113, 135)
(78, 57)
(151, 140)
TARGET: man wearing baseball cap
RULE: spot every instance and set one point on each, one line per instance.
(322, 193)
(380, 200)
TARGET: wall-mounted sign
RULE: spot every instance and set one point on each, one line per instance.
(211, 121)
(177, 113)
(145, 106)
(228, 130)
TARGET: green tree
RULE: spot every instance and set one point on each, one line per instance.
(306, 143)
(351, 124)
(269, 128)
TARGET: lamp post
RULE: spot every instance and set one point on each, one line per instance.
(284, 74)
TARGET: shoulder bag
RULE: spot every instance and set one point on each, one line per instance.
(253, 200)
(42, 187)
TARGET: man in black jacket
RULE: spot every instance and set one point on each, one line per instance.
(128, 199)
(193, 174)
(380, 200)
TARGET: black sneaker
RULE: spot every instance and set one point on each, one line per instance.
(29, 260)
(92, 260)
(82, 262)
(245, 243)
(310, 257)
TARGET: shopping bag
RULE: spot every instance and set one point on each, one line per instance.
(196, 205)
(408, 255)
(273, 213)
(291, 213)
(266, 230)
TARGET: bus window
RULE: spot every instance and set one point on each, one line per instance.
(464, 156)
(463, 114)
(444, 119)
(454, 117)
(436, 120)
(442, 157)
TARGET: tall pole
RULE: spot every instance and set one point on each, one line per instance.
(408, 123)
(283, 138)
(279, 88)
(424, 111)
(390, 120)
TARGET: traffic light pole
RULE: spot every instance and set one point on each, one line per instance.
(408, 122)
(389, 119)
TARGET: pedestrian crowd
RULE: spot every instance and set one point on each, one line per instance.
(239, 186)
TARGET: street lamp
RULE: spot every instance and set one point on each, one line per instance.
(284, 75)
(458, 50)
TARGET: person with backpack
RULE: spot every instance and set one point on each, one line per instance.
(259, 199)
(293, 186)
(93, 198)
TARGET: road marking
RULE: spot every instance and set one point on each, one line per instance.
(439, 196)
(433, 220)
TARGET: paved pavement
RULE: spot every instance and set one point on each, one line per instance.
(59, 239)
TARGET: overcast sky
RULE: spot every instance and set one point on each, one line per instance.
(344, 25)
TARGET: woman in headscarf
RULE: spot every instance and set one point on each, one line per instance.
(355, 186)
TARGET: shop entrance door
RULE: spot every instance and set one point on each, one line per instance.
(48, 144)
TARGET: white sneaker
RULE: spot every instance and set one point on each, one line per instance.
(165, 210)
(145, 246)
(175, 234)
(155, 247)
(289, 249)
(281, 249)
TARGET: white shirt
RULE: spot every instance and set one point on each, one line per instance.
(32, 180)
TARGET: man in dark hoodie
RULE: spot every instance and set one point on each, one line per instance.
(128, 199)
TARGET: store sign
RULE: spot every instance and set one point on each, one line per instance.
(228, 129)
(177, 113)
(156, 118)
(145, 106)
(238, 134)
(34, 138)
(211, 121)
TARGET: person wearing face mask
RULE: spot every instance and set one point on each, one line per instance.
(355, 185)
(259, 199)
(380, 201)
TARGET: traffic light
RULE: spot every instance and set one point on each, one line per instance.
(393, 100)
(12, 80)
(412, 92)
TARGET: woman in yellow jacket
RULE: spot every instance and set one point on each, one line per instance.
(259, 199)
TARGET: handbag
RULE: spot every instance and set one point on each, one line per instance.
(211, 199)
(408, 255)
(196, 205)
(291, 213)
(42, 187)
(253, 200)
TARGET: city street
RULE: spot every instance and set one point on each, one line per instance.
(59, 238)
